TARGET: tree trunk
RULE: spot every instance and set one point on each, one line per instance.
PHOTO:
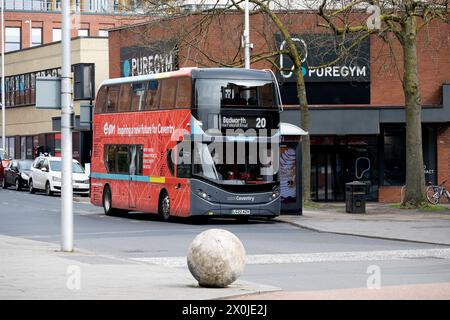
(415, 177)
(306, 150)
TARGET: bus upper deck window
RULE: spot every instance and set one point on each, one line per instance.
(113, 95)
(152, 95)
(137, 102)
(184, 93)
(100, 100)
(125, 97)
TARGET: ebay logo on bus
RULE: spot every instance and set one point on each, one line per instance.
(109, 129)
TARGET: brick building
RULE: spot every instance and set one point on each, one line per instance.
(357, 118)
(30, 23)
(32, 49)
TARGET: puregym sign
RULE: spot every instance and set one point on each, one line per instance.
(140, 60)
(325, 58)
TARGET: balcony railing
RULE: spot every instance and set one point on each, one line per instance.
(88, 6)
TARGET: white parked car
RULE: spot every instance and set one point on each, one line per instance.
(45, 175)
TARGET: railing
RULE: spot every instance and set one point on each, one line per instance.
(88, 6)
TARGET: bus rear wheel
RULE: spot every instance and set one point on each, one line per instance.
(107, 202)
(164, 206)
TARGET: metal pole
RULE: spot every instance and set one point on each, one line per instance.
(3, 81)
(31, 33)
(247, 36)
(66, 133)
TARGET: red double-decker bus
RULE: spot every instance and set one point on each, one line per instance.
(158, 140)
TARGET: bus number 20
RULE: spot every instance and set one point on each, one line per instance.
(260, 123)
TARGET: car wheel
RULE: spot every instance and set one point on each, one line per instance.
(48, 190)
(164, 206)
(31, 190)
(18, 185)
(4, 184)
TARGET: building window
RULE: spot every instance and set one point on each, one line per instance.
(56, 34)
(103, 33)
(83, 32)
(394, 155)
(36, 37)
(12, 39)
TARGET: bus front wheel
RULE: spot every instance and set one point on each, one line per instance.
(164, 206)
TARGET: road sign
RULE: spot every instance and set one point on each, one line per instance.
(48, 93)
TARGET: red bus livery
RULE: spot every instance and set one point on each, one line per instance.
(162, 144)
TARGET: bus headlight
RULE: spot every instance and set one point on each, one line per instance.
(202, 194)
(275, 194)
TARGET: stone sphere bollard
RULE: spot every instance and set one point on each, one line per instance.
(216, 258)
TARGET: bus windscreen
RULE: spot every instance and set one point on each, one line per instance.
(235, 93)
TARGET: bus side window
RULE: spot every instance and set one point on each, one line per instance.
(152, 95)
(125, 97)
(183, 167)
(100, 100)
(110, 158)
(184, 93)
(113, 95)
(137, 102)
(168, 93)
(170, 163)
(123, 159)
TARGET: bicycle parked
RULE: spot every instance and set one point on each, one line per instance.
(434, 193)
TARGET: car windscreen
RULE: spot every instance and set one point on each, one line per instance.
(25, 164)
(56, 166)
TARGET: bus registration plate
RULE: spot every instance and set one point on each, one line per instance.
(240, 211)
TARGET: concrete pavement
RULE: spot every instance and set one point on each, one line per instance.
(380, 221)
(37, 270)
(428, 291)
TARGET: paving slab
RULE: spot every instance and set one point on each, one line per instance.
(379, 221)
(38, 270)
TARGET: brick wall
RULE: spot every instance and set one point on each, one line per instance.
(443, 155)
(48, 20)
(390, 194)
(220, 40)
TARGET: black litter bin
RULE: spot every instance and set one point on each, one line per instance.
(355, 197)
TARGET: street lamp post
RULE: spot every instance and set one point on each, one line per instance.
(66, 133)
(247, 44)
(3, 80)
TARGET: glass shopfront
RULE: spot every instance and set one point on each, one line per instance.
(375, 160)
(338, 160)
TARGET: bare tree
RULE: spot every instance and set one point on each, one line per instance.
(403, 19)
(192, 31)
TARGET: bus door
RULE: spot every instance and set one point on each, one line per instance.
(181, 189)
(133, 187)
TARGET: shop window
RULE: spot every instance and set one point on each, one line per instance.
(394, 155)
(328, 93)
